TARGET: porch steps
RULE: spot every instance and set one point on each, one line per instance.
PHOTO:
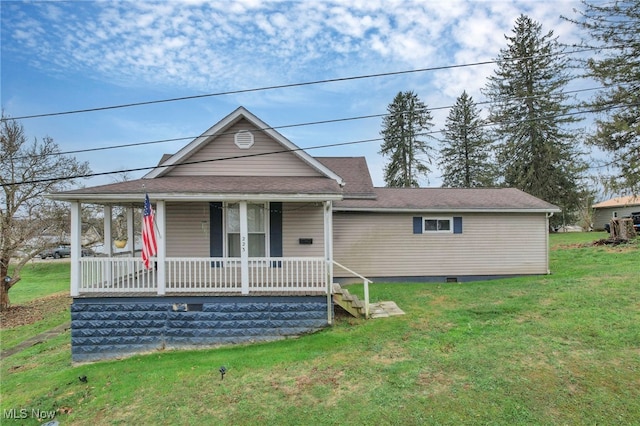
(355, 307)
(347, 301)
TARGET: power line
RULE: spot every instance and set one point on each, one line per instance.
(138, 169)
(290, 85)
(287, 126)
(211, 160)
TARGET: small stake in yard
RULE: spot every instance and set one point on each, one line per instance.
(222, 371)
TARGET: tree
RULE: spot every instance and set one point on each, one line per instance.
(537, 149)
(28, 171)
(465, 156)
(615, 28)
(403, 130)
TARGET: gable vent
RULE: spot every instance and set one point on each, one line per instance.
(244, 139)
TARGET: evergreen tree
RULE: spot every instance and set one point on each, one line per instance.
(615, 27)
(537, 149)
(405, 141)
(466, 150)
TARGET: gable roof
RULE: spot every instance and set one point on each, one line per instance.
(169, 163)
(344, 180)
(355, 172)
(631, 200)
(448, 200)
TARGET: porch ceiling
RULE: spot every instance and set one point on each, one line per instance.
(208, 188)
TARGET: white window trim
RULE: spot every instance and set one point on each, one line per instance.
(447, 218)
(267, 228)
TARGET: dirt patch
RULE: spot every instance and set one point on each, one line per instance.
(570, 246)
(610, 245)
(34, 311)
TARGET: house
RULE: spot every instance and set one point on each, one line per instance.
(614, 208)
(252, 233)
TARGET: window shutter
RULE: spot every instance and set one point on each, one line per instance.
(275, 229)
(275, 232)
(457, 225)
(216, 236)
(417, 225)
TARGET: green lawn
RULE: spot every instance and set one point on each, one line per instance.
(556, 349)
(40, 279)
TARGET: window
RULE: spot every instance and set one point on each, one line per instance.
(432, 224)
(444, 225)
(256, 218)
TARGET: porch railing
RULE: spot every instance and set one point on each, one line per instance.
(202, 275)
(291, 274)
(116, 275)
(193, 275)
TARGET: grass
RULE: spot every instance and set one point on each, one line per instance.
(556, 349)
(40, 279)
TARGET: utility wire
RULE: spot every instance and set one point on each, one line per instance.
(61, 178)
(308, 83)
(287, 126)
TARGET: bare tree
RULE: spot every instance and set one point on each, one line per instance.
(28, 171)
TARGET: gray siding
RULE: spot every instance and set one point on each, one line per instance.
(604, 215)
(302, 221)
(188, 230)
(283, 164)
(383, 245)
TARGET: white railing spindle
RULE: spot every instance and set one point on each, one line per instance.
(203, 275)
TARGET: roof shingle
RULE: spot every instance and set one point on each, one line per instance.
(217, 185)
(628, 201)
(448, 199)
(355, 173)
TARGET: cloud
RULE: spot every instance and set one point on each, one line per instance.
(206, 46)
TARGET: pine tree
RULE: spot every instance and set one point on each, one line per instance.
(537, 149)
(405, 141)
(615, 27)
(466, 150)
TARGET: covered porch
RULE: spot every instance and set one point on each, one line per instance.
(283, 265)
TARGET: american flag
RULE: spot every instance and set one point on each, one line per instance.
(149, 246)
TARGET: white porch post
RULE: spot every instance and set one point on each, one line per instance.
(328, 254)
(108, 223)
(108, 242)
(131, 234)
(244, 248)
(76, 248)
(162, 246)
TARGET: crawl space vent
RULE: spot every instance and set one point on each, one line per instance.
(244, 139)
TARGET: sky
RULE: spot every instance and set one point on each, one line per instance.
(59, 56)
